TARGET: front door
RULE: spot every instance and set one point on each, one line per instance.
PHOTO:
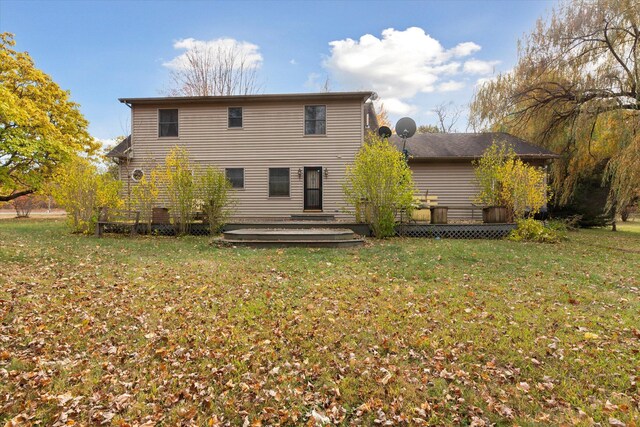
(313, 189)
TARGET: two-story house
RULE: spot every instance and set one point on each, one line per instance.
(287, 154)
(284, 154)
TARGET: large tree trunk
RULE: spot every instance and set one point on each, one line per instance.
(15, 195)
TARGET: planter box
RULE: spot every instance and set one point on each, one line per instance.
(494, 215)
(439, 214)
(160, 216)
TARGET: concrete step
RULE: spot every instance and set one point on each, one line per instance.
(290, 234)
(296, 243)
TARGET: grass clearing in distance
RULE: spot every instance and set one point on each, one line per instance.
(126, 330)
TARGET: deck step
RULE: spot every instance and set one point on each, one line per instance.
(296, 243)
(283, 234)
(313, 217)
(358, 228)
(301, 237)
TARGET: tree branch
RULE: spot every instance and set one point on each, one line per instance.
(13, 196)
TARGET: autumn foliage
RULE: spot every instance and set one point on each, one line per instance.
(40, 127)
(81, 189)
(379, 184)
(505, 180)
(576, 91)
(409, 332)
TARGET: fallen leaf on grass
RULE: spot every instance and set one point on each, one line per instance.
(616, 422)
(387, 377)
(18, 421)
(320, 418)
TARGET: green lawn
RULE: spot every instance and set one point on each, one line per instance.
(125, 331)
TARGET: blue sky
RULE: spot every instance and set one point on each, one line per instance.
(102, 50)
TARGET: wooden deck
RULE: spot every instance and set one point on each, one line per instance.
(411, 229)
(455, 231)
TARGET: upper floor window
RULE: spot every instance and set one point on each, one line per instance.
(168, 122)
(235, 117)
(235, 176)
(315, 120)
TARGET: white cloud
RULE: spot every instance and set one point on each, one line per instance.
(450, 86)
(248, 51)
(466, 49)
(396, 106)
(476, 66)
(398, 66)
(293, 62)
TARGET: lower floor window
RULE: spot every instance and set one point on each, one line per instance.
(278, 182)
(235, 176)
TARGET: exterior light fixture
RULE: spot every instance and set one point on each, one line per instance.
(326, 172)
(299, 173)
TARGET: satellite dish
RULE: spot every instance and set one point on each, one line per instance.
(384, 132)
(406, 127)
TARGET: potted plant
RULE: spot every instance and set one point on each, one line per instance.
(509, 188)
(488, 171)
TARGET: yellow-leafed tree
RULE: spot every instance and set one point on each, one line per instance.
(505, 180)
(40, 128)
(145, 195)
(80, 188)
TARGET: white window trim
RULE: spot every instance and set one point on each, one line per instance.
(168, 137)
(133, 173)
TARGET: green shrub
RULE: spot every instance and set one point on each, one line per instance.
(530, 230)
(81, 188)
(379, 184)
(178, 179)
(215, 193)
(558, 225)
(505, 180)
(145, 196)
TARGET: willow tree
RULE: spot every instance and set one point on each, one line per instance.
(576, 90)
(40, 128)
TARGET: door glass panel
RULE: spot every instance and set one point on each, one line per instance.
(313, 181)
(313, 188)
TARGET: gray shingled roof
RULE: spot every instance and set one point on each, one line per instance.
(466, 145)
(120, 150)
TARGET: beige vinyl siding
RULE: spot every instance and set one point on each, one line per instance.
(453, 182)
(272, 136)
